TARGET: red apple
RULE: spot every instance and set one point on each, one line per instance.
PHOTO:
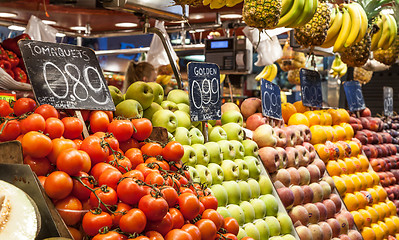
(251, 106)
(254, 121)
(270, 158)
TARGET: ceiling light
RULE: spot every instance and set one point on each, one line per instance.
(231, 16)
(16, 28)
(191, 31)
(7, 15)
(60, 35)
(200, 30)
(49, 22)
(126, 24)
(78, 28)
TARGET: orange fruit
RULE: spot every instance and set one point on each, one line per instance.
(382, 194)
(333, 150)
(361, 198)
(374, 195)
(335, 115)
(340, 132)
(298, 119)
(368, 234)
(386, 209)
(318, 134)
(349, 133)
(344, 115)
(392, 228)
(359, 219)
(350, 165)
(314, 119)
(333, 168)
(374, 214)
(351, 202)
(355, 149)
(343, 166)
(322, 118)
(323, 152)
(362, 179)
(379, 232)
(369, 179)
(341, 151)
(395, 220)
(346, 147)
(350, 185)
(384, 228)
(392, 208)
(356, 180)
(287, 109)
(380, 210)
(328, 118)
(367, 217)
(330, 133)
(340, 185)
(364, 162)
(300, 108)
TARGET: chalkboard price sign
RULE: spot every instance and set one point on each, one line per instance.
(204, 91)
(271, 99)
(354, 96)
(311, 88)
(388, 101)
(66, 76)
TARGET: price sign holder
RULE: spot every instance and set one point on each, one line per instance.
(271, 100)
(311, 88)
(388, 101)
(354, 96)
(66, 77)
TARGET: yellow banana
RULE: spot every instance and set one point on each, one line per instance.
(344, 32)
(386, 32)
(273, 73)
(363, 27)
(232, 3)
(262, 73)
(333, 31)
(332, 17)
(206, 2)
(216, 4)
(222, 77)
(376, 36)
(267, 73)
(343, 72)
(356, 20)
(394, 30)
(286, 5)
(306, 15)
(292, 14)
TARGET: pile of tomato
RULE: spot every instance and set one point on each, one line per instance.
(126, 185)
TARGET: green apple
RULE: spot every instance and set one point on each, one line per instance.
(116, 94)
(182, 135)
(249, 211)
(193, 174)
(168, 105)
(276, 238)
(204, 175)
(241, 234)
(232, 116)
(234, 131)
(254, 166)
(171, 137)
(196, 136)
(129, 109)
(216, 172)
(238, 148)
(246, 194)
(285, 223)
(220, 193)
(255, 188)
(224, 212)
(243, 169)
(227, 149)
(217, 134)
(266, 186)
(274, 225)
(184, 107)
(230, 170)
(202, 154)
(149, 112)
(215, 153)
(183, 119)
(259, 207)
(157, 89)
(288, 237)
(252, 231)
(233, 191)
(271, 204)
(212, 122)
(250, 148)
(263, 229)
(178, 96)
(165, 118)
(190, 156)
(237, 213)
(141, 92)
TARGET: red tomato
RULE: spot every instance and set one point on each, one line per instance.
(154, 208)
(59, 145)
(122, 163)
(139, 238)
(207, 228)
(231, 225)
(5, 109)
(129, 191)
(85, 114)
(73, 127)
(92, 145)
(47, 111)
(173, 152)
(130, 143)
(202, 208)
(177, 218)
(178, 234)
(107, 195)
(36, 144)
(170, 195)
(65, 205)
(11, 131)
(99, 168)
(159, 164)
(111, 235)
(163, 226)
(210, 202)
(80, 191)
(41, 166)
(92, 222)
(86, 161)
(70, 161)
(54, 128)
(78, 142)
(110, 115)
(113, 142)
(121, 209)
(154, 235)
(42, 180)
(134, 221)
(155, 178)
(145, 169)
(142, 129)
(76, 234)
(121, 129)
(135, 156)
(186, 190)
(98, 121)
(34, 122)
(214, 216)
(110, 177)
(134, 174)
(152, 149)
(58, 185)
(189, 205)
(24, 105)
(192, 230)
(227, 236)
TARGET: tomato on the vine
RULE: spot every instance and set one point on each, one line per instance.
(121, 129)
(111, 235)
(154, 235)
(154, 208)
(54, 128)
(93, 222)
(99, 121)
(163, 226)
(73, 127)
(130, 143)
(106, 194)
(207, 228)
(99, 168)
(110, 177)
(42, 180)
(86, 161)
(5, 109)
(151, 149)
(177, 218)
(47, 111)
(129, 191)
(94, 146)
(134, 221)
(155, 178)
(36, 144)
(157, 163)
(121, 209)
(40, 166)
(143, 129)
(122, 163)
(178, 234)
(214, 216)
(189, 205)
(173, 152)
(231, 225)
(65, 205)
(11, 131)
(59, 145)
(210, 202)
(134, 174)
(192, 230)
(230, 236)
(58, 185)
(112, 141)
(135, 156)
(79, 191)
(145, 169)
(170, 195)
(34, 122)
(24, 105)
(70, 161)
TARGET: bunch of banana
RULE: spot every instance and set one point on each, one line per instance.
(386, 34)
(163, 79)
(296, 13)
(268, 73)
(338, 68)
(216, 4)
(348, 26)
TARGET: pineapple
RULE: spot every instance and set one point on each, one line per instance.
(314, 32)
(263, 14)
(293, 77)
(389, 56)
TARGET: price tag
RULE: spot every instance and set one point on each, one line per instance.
(66, 76)
(271, 99)
(311, 88)
(354, 96)
(388, 101)
(204, 91)
(9, 97)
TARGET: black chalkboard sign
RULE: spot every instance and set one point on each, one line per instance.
(271, 99)
(354, 96)
(66, 76)
(311, 88)
(388, 101)
(204, 91)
